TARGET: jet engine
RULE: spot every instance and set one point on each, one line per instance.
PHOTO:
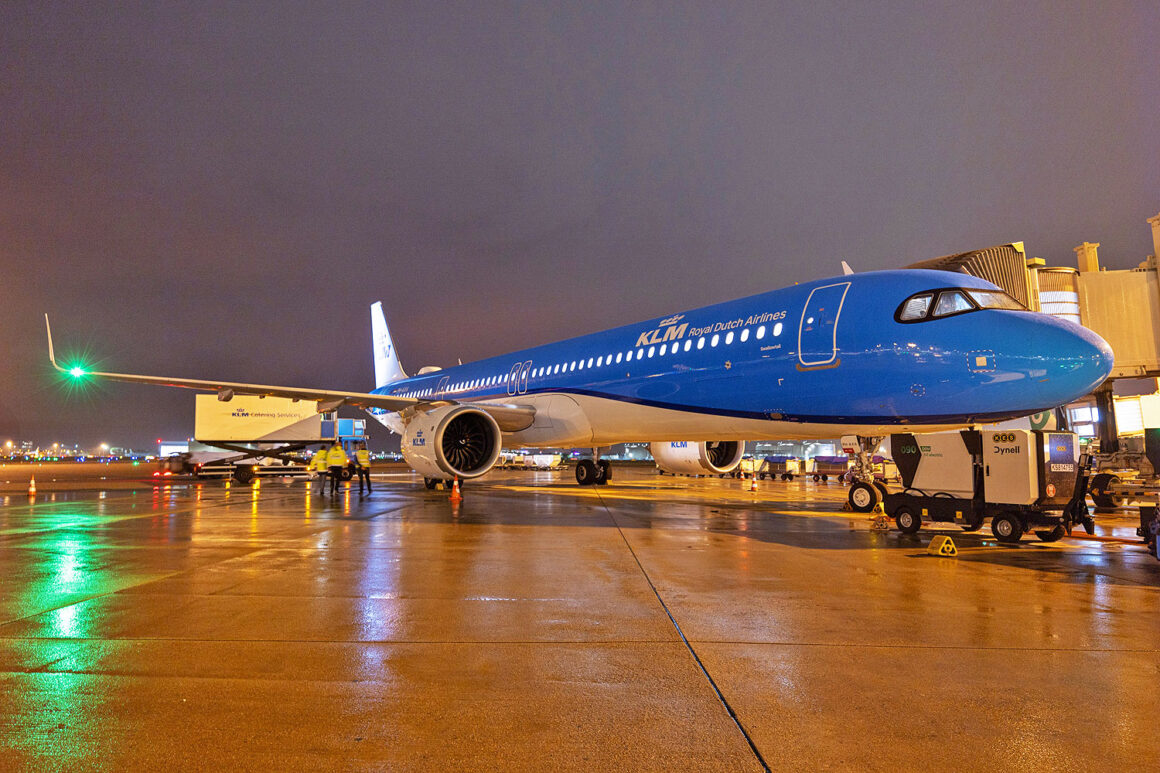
(691, 458)
(454, 441)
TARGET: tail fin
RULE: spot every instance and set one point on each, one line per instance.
(388, 370)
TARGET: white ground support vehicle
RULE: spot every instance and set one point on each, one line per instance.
(1020, 479)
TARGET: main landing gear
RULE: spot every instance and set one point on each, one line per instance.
(590, 473)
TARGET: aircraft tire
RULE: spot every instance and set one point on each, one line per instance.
(585, 472)
(1007, 528)
(863, 497)
(907, 520)
(604, 472)
(243, 473)
(430, 483)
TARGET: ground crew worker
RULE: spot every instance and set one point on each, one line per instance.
(363, 457)
(318, 464)
(336, 459)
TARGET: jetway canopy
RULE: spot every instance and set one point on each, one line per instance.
(1005, 265)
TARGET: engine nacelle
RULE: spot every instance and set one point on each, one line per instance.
(691, 458)
(455, 441)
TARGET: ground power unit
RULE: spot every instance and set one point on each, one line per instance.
(1020, 479)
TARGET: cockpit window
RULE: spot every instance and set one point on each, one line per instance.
(988, 299)
(946, 302)
(951, 302)
(915, 307)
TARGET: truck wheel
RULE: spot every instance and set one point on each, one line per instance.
(243, 473)
(1051, 535)
(817, 479)
(1100, 492)
(346, 474)
(1007, 527)
(907, 520)
(972, 525)
(863, 497)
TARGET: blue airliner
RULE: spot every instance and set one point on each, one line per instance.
(862, 354)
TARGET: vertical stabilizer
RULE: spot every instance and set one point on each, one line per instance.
(388, 370)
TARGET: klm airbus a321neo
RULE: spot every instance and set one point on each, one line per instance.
(863, 354)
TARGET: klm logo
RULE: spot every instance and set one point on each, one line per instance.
(668, 331)
(679, 444)
(419, 439)
(241, 413)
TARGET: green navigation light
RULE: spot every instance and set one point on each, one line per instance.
(76, 372)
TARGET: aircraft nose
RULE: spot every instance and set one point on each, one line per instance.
(1078, 360)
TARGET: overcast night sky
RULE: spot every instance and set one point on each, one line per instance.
(219, 190)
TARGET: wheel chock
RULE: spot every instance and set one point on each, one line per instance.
(879, 520)
(942, 545)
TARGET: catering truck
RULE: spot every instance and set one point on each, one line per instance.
(249, 436)
(1020, 479)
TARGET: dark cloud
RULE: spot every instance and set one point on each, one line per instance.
(221, 189)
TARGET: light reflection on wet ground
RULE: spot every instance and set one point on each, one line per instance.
(268, 626)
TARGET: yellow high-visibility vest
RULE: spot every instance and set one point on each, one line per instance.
(363, 456)
(336, 456)
(318, 461)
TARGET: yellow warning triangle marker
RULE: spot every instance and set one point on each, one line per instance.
(942, 545)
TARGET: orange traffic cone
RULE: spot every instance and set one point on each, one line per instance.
(753, 483)
(455, 495)
(32, 487)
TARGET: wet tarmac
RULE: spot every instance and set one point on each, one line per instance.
(654, 624)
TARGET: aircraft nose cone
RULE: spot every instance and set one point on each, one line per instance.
(1080, 361)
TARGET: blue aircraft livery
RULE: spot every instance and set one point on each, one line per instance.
(866, 354)
(863, 354)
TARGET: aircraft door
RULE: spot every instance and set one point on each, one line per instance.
(522, 387)
(818, 329)
(513, 379)
(441, 387)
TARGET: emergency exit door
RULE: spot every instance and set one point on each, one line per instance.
(517, 380)
(818, 329)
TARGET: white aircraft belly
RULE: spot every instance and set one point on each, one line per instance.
(581, 420)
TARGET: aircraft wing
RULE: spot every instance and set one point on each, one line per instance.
(511, 418)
